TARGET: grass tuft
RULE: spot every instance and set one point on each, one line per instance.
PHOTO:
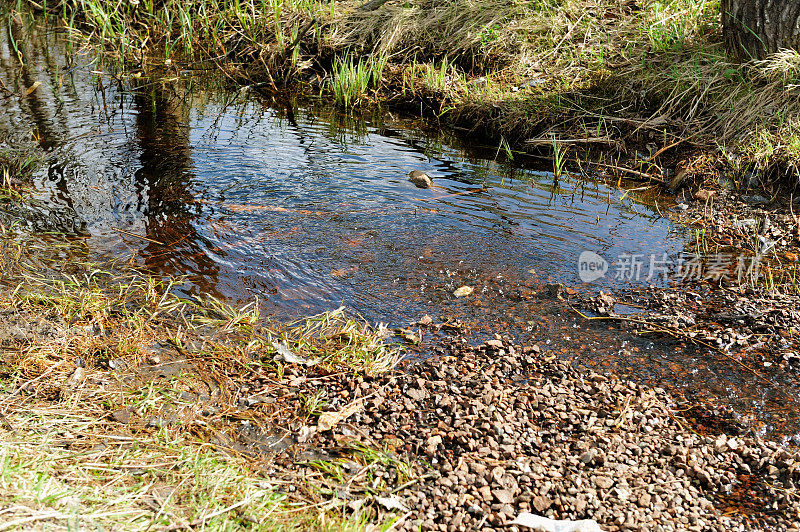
(122, 405)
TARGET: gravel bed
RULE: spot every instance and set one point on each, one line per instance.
(501, 429)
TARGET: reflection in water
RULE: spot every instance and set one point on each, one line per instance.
(310, 209)
(163, 179)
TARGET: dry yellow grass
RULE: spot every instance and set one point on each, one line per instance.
(120, 403)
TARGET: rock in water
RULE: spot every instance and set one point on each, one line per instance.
(463, 291)
(420, 179)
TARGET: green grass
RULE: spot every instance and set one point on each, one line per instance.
(436, 78)
(352, 79)
(559, 159)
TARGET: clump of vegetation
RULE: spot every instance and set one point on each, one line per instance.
(351, 79)
(17, 164)
(651, 71)
(121, 404)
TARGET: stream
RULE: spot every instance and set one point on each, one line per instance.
(307, 208)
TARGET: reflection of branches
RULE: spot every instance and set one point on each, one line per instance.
(163, 134)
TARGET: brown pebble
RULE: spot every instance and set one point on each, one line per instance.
(604, 482)
(420, 179)
(504, 496)
(541, 503)
(703, 195)
(123, 415)
(644, 500)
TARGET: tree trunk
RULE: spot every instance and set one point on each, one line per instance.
(754, 29)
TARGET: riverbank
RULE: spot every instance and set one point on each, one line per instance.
(183, 411)
(645, 85)
(124, 405)
(733, 293)
(134, 406)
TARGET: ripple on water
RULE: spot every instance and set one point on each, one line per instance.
(313, 210)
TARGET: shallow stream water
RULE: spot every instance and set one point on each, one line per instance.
(307, 208)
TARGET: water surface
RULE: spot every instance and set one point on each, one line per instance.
(306, 209)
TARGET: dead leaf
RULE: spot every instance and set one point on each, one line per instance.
(343, 272)
(392, 502)
(704, 195)
(33, 87)
(328, 420)
(607, 300)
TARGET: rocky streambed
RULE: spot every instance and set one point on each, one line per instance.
(499, 430)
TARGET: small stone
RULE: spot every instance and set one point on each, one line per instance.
(433, 441)
(486, 493)
(463, 291)
(504, 496)
(117, 364)
(604, 482)
(541, 503)
(669, 450)
(477, 467)
(123, 415)
(494, 344)
(416, 394)
(588, 456)
(420, 179)
(644, 500)
(703, 476)
(76, 378)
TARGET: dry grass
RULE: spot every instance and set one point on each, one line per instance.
(646, 71)
(122, 405)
